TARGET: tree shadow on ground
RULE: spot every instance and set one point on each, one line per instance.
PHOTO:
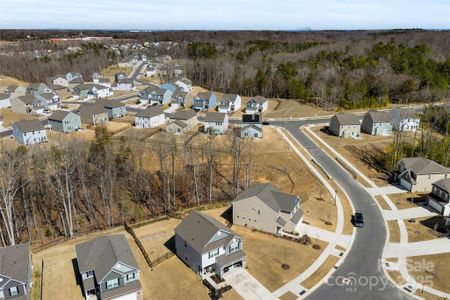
(372, 156)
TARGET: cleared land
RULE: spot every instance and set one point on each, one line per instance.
(111, 70)
(431, 270)
(394, 232)
(326, 267)
(403, 201)
(422, 229)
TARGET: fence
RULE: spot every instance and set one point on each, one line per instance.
(139, 244)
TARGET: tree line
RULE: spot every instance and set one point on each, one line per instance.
(71, 187)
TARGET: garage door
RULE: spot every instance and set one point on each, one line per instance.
(132, 296)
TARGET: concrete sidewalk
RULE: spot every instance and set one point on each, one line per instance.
(246, 285)
(325, 235)
(436, 246)
(408, 213)
(386, 190)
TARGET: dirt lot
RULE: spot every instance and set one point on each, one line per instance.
(422, 229)
(111, 70)
(6, 80)
(10, 117)
(431, 269)
(266, 254)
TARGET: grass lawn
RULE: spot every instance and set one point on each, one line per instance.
(402, 201)
(382, 202)
(431, 270)
(427, 296)
(397, 277)
(289, 296)
(422, 229)
(10, 117)
(394, 232)
(326, 267)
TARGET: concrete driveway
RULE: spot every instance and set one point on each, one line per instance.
(246, 285)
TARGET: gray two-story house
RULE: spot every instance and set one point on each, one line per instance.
(377, 123)
(207, 246)
(16, 271)
(108, 269)
(439, 198)
(114, 108)
(64, 121)
(204, 101)
(92, 114)
(257, 105)
(264, 207)
(345, 125)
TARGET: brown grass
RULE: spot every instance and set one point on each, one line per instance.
(288, 296)
(397, 277)
(401, 200)
(9, 117)
(431, 268)
(394, 232)
(323, 270)
(382, 202)
(426, 295)
(6, 80)
(419, 231)
(111, 70)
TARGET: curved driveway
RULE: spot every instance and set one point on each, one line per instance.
(362, 266)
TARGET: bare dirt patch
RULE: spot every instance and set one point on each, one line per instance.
(431, 269)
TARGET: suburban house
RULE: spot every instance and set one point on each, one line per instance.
(182, 121)
(50, 101)
(29, 132)
(15, 90)
(204, 101)
(127, 62)
(405, 119)
(251, 126)
(92, 114)
(119, 76)
(5, 100)
(108, 269)
(183, 83)
(229, 103)
(114, 108)
(58, 80)
(257, 104)
(151, 117)
(377, 123)
(74, 76)
(64, 121)
(266, 208)
(92, 90)
(177, 71)
(207, 246)
(151, 71)
(156, 95)
(345, 125)
(126, 84)
(169, 86)
(27, 104)
(417, 174)
(439, 198)
(101, 80)
(215, 123)
(16, 272)
(37, 88)
(62, 91)
(183, 99)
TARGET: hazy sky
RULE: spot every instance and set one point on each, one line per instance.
(225, 14)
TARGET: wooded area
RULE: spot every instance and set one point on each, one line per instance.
(61, 189)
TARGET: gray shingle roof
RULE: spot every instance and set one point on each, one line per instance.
(183, 115)
(91, 108)
(204, 95)
(4, 96)
(150, 112)
(272, 196)
(29, 125)
(14, 262)
(197, 229)
(379, 116)
(259, 99)
(59, 115)
(103, 253)
(27, 99)
(110, 103)
(421, 165)
(215, 117)
(229, 97)
(347, 119)
(443, 184)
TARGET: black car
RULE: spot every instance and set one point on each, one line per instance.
(358, 220)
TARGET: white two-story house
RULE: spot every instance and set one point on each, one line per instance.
(229, 103)
(216, 123)
(207, 246)
(29, 132)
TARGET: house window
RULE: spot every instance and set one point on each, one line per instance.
(233, 247)
(185, 244)
(131, 276)
(112, 283)
(259, 212)
(14, 291)
(213, 253)
(89, 274)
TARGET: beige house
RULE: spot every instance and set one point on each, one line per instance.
(345, 125)
(266, 208)
(417, 174)
(182, 121)
(92, 114)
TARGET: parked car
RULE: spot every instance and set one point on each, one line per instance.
(358, 220)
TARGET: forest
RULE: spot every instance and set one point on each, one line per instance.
(65, 188)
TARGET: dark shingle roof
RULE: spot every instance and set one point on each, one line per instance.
(150, 112)
(59, 115)
(183, 115)
(27, 99)
(443, 184)
(259, 99)
(14, 262)
(204, 95)
(215, 117)
(197, 229)
(347, 119)
(421, 165)
(270, 195)
(103, 253)
(379, 116)
(91, 108)
(252, 119)
(110, 103)
(29, 125)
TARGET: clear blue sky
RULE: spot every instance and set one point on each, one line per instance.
(225, 14)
